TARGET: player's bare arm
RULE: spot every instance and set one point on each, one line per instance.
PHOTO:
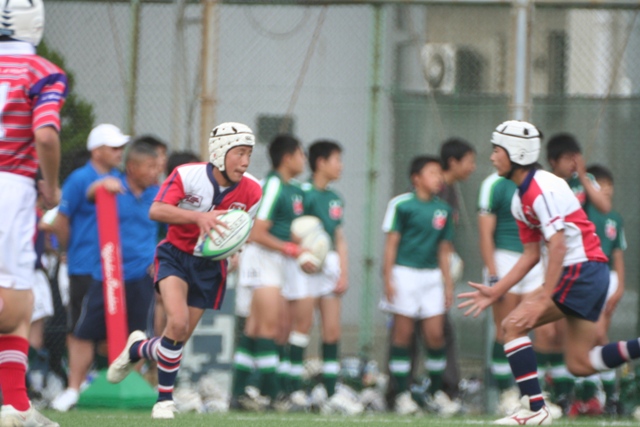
(170, 214)
(47, 143)
(61, 229)
(486, 228)
(111, 184)
(484, 296)
(595, 196)
(445, 248)
(389, 259)
(618, 266)
(341, 249)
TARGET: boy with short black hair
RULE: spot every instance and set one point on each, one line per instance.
(328, 285)
(269, 266)
(565, 158)
(610, 229)
(417, 279)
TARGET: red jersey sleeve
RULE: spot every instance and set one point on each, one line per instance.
(48, 95)
(527, 234)
(172, 189)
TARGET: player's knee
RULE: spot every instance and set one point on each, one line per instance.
(579, 366)
(511, 331)
(178, 329)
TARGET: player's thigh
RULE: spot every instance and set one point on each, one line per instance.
(430, 295)
(433, 331)
(330, 309)
(302, 314)
(580, 338)
(402, 331)
(174, 292)
(266, 310)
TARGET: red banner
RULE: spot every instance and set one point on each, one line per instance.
(113, 285)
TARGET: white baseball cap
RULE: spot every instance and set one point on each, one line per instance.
(106, 134)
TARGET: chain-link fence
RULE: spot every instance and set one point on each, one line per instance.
(387, 80)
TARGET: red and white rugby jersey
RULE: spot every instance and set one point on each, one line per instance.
(32, 92)
(544, 205)
(193, 187)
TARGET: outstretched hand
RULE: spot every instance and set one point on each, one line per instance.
(478, 300)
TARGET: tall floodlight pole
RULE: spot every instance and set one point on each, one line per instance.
(365, 338)
(208, 72)
(132, 84)
(521, 99)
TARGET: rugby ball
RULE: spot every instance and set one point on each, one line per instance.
(218, 247)
(456, 267)
(305, 225)
(317, 243)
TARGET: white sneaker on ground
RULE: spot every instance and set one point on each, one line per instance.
(164, 410)
(509, 402)
(11, 417)
(526, 416)
(446, 406)
(554, 410)
(300, 400)
(66, 400)
(318, 396)
(121, 367)
(342, 403)
(405, 405)
(252, 400)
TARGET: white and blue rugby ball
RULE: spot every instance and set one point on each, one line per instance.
(218, 247)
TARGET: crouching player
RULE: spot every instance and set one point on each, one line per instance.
(417, 279)
(576, 279)
(190, 201)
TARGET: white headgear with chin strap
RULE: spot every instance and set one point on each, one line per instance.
(224, 137)
(520, 139)
(22, 20)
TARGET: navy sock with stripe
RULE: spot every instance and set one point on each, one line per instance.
(522, 360)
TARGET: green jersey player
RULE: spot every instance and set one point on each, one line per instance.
(417, 279)
(610, 229)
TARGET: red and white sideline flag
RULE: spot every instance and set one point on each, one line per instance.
(113, 284)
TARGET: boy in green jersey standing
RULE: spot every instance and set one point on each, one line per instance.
(610, 230)
(565, 158)
(417, 279)
(328, 285)
(267, 265)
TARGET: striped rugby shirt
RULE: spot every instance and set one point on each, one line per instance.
(32, 92)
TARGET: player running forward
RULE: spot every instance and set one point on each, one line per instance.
(417, 280)
(576, 279)
(32, 90)
(328, 285)
(500, 248)
(190, 201)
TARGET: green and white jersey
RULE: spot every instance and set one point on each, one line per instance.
(578, 189)
(422, 225)
(325, 204)
(282, 202)
(610, 230)
(496, 194)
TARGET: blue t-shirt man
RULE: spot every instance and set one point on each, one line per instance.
(82, 248)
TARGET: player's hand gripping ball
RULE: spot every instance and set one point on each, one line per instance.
(218, 247)
(310, 232)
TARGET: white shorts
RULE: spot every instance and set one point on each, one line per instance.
(323, 283)
(613, 283)
(505, 260)
(419, 293)
(42, 300)
(17, 228)
(261, 267)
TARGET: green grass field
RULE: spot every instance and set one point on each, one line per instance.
(113, 418)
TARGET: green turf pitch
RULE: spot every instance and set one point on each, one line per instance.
(80, 418)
